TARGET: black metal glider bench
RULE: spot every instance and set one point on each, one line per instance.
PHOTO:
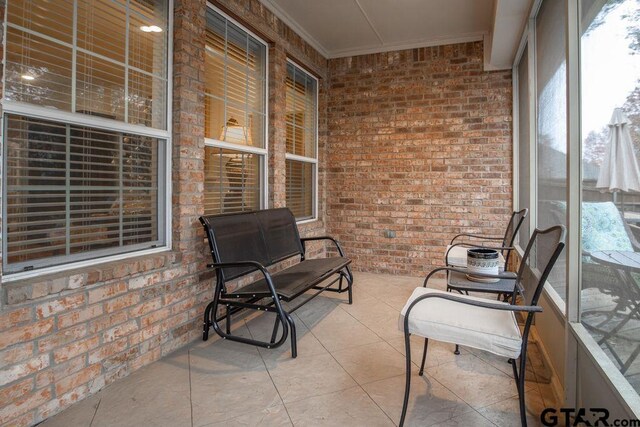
(249, 242)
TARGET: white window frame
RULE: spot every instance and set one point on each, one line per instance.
(305, 159)
(263, 153)
(67, 117)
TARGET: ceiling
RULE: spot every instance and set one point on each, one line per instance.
(338, 28)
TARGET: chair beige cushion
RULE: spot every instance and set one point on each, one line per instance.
(457, 256)
(495, 331)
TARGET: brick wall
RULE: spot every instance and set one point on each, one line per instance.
(64, 336)
(419, 146)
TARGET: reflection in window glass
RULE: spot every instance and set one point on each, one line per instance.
(231, 181)
(551, 126)
(42, 70)
(610, 210)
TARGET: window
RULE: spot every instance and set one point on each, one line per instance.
(301, 157)
(610, 209)
(551, 144)
(85, 130)
(235, 117)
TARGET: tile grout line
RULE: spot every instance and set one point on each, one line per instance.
(269, 373)
(190, 386)
(95, 412)
(339, 364)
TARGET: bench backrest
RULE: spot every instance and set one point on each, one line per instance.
(266, 236)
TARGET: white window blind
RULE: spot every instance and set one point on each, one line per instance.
(88, 188)
(301, 142)
(73, 192)
(235, 117)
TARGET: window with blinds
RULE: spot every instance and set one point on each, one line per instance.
(302, 124)
(89, 182)
(235, 113)
(73, 192)
(119, 69)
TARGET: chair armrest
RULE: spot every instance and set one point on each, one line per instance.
(508, 275)
(476, 236)
(308, 239)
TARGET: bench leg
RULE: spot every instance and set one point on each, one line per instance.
(294, 341)
(275, 330)
(228, 319)
(349, 278)
(207, 321)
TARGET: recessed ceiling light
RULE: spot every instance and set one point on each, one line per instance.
(151, 29)
(28, 77)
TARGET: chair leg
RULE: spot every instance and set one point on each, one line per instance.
(457, 350)
(228, 319)
(521, 389)
(424, 356)
(518, 375)
(407, 386)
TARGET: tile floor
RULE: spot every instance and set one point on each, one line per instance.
(349, 371)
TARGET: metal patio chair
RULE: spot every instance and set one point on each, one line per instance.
(456, 253)
(480, 323)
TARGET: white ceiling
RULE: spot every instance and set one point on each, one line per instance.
(338, 28)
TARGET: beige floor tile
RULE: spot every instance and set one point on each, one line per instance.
(429, 401)
(308, 376)
(214, 403)
(155, 395)
(81, 414)
(467, 420)
(350, 407)
(438, 353)
(474, 381)
(339, 330)
(507, 413)
(371, 362)
(308, 345)
(273, 416)
(316, 310)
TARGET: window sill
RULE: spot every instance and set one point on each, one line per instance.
(22, 288)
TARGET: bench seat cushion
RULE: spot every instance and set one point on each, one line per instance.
(295, 280)
(495, 331)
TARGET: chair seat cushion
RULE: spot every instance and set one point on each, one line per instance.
(457, 256)
(495, 331)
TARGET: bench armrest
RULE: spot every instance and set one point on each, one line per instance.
(258, 266)
(308, 239)
(476, 236)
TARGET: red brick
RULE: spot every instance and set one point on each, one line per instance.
(78, 316)
(75, 348)
(58, 305)
(21, 370)
(78, 378)
(14, 317)
(61, 338)
(121, 302)
(25, 333)
(120, 331)
(24, 404)
(106, 291)
(16, 353)
(107, 350)
(58, 372)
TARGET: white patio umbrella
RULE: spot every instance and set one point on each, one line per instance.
(619, 171)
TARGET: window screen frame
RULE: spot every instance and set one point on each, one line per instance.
(305, 159)
(262, 153)
(164, 216)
